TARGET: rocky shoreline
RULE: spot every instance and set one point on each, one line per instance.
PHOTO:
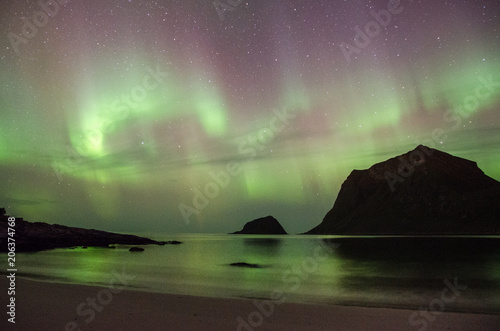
(37, 236)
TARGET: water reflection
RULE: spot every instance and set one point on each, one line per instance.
(419, 248)
(410, 271)
(262, 242)
(401, 272)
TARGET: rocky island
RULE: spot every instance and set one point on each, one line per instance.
(36, 236)
(264, 225)
(422, 192)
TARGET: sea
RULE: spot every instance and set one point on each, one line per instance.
(425, 273)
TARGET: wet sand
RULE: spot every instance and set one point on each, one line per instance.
(54, 306)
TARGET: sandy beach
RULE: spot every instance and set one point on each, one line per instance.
(54, 306)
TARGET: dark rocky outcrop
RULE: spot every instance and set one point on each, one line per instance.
(170, 242)
(245, 265)
(136, 249)
(424, 191)
(38, 236)
(264, 225)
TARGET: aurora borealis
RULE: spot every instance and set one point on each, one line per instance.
(120, 114)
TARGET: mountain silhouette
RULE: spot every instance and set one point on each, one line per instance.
(425, 191)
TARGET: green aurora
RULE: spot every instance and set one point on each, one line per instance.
(116, 120)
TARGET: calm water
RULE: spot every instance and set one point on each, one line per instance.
(294, 268)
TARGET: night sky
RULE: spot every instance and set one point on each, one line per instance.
(198, 116)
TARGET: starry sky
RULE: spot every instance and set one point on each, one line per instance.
(198, 116)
